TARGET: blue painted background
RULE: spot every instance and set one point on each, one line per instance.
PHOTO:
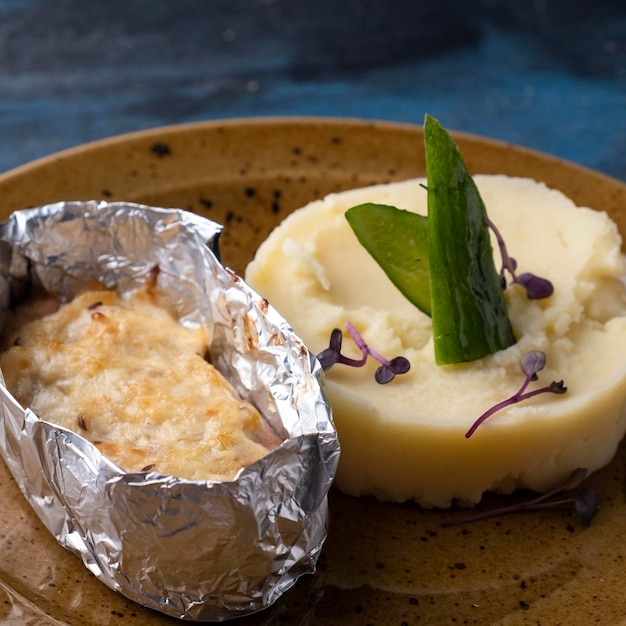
(547, 74)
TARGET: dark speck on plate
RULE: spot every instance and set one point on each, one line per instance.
(161, 149)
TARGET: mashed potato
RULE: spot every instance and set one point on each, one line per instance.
(406, 440)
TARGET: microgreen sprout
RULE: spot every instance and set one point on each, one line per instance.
(384, 374)
(535, 286)
(532, 362)
(585, 502)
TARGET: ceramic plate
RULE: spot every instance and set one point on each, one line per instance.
(382, 563)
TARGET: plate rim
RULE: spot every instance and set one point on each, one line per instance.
(291, 121)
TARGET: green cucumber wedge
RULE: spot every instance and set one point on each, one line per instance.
(468, 307)
(398, 241)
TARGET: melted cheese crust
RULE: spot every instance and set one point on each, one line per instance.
(127, 376)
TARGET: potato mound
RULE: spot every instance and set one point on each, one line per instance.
(405, 440)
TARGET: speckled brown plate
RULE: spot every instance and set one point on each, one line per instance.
(382, 563)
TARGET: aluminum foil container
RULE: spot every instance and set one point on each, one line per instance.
(206, 551)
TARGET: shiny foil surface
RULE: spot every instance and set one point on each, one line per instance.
(205, 551)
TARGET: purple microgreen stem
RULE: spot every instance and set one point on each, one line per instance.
(585, 503)
(333, 355)
(387, 371)
(532, 362)
(535, 286)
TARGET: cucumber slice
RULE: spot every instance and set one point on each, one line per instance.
(398, 241)
(469, 313)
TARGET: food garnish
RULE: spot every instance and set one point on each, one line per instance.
(535, 286)
(585, 503)
(532, 362)
(384, 374)
(398, 241)
(443, 263)
(469, 313)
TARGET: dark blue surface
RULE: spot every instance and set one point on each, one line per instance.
(547, 74)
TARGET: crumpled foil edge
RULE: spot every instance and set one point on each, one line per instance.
(190, 549)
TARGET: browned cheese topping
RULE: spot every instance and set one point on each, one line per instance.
(127, 376)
